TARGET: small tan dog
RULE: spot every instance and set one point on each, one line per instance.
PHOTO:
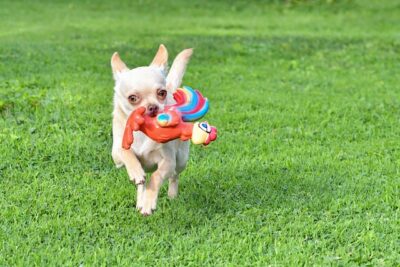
(149, 87)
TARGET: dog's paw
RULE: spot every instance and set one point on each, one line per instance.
(138, 182)
(173, 188)
(149, 205)
(172, 192)
(138, 179)
(139, 206)
(146, 211)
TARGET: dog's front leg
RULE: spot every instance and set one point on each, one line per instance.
(135, 172)
(166, 168)
(136, 175)
(125, 157)
(128, 158)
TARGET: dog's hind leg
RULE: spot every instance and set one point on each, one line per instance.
(173, 186)
(182, 158)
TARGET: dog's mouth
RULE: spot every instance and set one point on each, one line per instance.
(152, 114)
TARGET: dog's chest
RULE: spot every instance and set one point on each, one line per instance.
(147, 151)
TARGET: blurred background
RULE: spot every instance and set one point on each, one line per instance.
(305, 95)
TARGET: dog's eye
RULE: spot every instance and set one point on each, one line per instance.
(162, 94)
(133, 99)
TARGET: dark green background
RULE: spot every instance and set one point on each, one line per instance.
(305, 95)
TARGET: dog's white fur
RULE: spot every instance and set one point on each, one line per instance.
(166, 160)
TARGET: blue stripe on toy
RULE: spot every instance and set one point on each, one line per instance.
(192, 101)
(197, 115)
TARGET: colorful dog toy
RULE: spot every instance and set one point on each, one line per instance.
(173, 122)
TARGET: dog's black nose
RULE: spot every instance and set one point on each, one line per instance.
(152, 109)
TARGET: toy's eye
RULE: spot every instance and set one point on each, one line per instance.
(162, 94)
(205, 127)
(133, 99)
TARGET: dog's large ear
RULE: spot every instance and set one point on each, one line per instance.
(161, 58)
(117, 65)
(175, 75)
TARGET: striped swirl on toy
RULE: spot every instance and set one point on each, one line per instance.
(190, 103)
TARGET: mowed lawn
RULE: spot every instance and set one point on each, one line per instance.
(306, 170)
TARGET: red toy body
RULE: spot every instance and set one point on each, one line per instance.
(171, 123)
(139, 121)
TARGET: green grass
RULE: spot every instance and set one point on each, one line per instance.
(306, 98)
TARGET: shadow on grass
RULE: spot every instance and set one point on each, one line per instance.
(252, 192)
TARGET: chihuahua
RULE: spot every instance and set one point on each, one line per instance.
(152, 88)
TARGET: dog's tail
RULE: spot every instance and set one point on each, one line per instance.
(191, 103)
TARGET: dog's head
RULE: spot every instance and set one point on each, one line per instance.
(148, 86)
